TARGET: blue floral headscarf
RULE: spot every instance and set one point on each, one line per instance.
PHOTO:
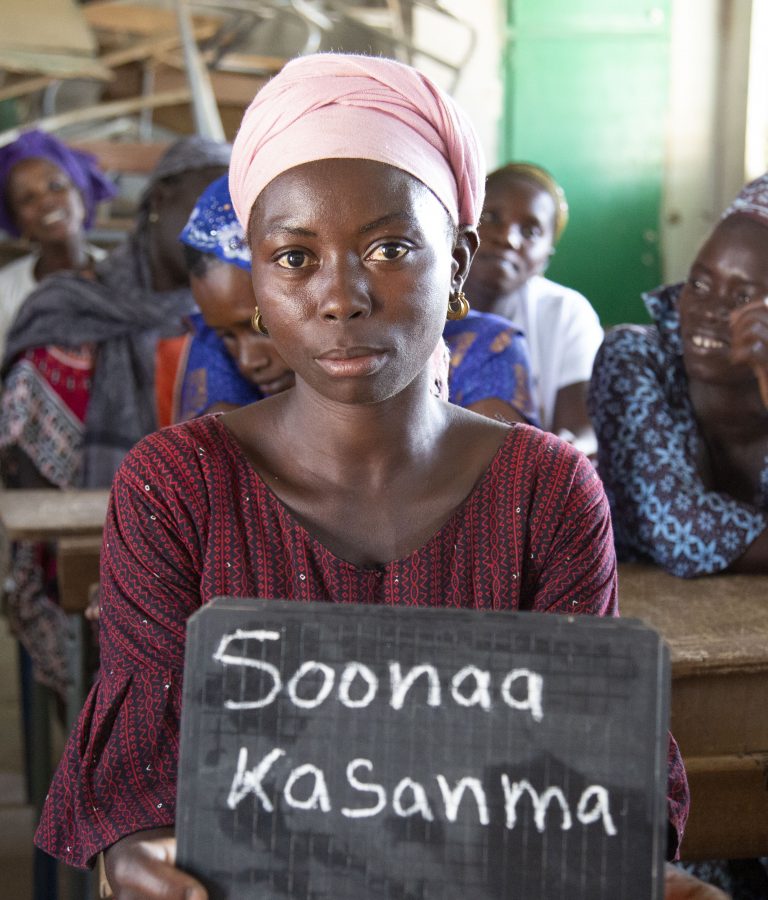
(213, 227)
(81, 168)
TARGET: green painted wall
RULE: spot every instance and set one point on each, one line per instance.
(586, 86)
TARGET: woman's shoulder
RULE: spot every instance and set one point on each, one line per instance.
(521, 451)
(540, 476)
(481, 323)
(184, 454)
(541, 289)
(626, 345)
(20, 267)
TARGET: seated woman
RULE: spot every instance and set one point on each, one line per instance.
(226, 362)
(524, 215)
(48, 196)
(360, 184)
(79, 377)
(677, 406)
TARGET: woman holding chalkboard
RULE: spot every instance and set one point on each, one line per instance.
(360, 185)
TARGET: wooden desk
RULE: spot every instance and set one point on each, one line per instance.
(47, 515)
(717, 631)
(74, 520)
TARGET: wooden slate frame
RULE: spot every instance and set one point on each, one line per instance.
(245, 773)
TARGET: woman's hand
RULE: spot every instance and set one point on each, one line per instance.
(141, 866)
(679, 885)
(749, 341)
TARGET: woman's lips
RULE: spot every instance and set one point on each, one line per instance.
(352, 362)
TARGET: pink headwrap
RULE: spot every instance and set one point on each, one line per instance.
(330, 106)
(752, 201)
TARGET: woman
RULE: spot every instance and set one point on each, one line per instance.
(359, 184)
(225, 362)
(524, 216)
(80, 382)
(48, 196)
(680, 417)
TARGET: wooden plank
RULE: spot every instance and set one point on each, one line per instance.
(729, 807)
(102, 67)
(146, 21)
(55, 26)
(77, 569)
(47, 515)
(100, 111)
(125, 156)
(718, 622)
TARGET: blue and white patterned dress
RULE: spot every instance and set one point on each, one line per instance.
(648, 446)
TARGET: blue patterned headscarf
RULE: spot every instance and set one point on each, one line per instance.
(81, 168)
(213, 227)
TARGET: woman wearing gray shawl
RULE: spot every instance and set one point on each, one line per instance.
(80, 376)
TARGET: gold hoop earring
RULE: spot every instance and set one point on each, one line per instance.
(458, 306)
(154, 217)
(256, 322)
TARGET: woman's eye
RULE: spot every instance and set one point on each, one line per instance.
(293, 259)
(58, 186)
(531, 231)
(388, 252)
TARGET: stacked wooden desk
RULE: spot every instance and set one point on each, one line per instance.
(717, 631)
(74, 521)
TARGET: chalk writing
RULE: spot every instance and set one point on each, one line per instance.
(412, 798)
(471, 686)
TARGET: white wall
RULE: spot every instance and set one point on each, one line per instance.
(479, 90)
(707, 126)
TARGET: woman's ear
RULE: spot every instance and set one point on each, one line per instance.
(464, 249)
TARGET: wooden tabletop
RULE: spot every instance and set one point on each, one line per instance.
(46, 515)
(713, 622)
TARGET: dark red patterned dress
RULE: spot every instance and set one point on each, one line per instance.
(190, 520)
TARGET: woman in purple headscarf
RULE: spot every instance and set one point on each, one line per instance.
(48, 196)
(80, 383)
(359, 185)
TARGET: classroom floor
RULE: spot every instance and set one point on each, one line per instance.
(17, 818)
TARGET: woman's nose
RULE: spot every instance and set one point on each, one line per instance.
(514, 238)
(345, 295)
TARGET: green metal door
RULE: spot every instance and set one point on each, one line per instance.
(586, 85)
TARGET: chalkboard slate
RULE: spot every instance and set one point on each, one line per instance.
(349, 752)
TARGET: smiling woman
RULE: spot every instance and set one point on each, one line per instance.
(359, 184)
(681, 408)
(48, 196)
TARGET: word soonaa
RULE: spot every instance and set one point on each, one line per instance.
(357, 685)
(305, 787)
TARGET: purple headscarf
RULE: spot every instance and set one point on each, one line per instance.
(81, 168)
